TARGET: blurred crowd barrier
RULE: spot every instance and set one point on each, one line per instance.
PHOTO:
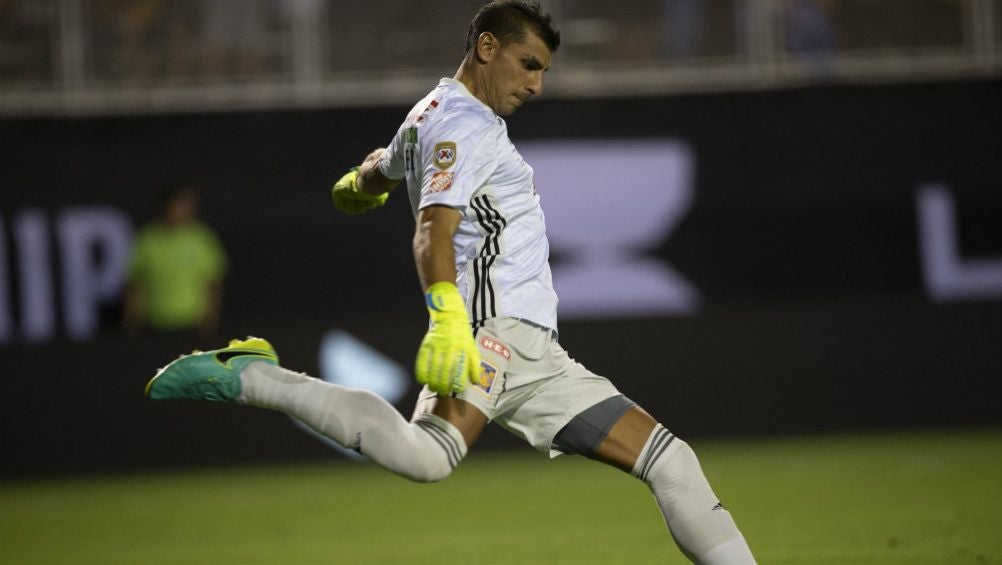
(114, 56)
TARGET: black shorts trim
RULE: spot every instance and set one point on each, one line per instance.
(585, 432)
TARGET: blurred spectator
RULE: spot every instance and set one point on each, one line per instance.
(130, 26)
(25, 42)
(809, 30)
(141, 40)
(888, 24)
(697, 28)
(684, 27)
(235, 36)
(176, 270)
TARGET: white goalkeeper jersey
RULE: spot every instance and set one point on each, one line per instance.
(454, 151)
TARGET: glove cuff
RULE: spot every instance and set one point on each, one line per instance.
(352, 177)
(443, 299)
(378, 199)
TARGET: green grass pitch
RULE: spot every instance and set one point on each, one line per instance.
(915, 498)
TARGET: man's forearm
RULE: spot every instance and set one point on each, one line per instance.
(448, 358)
(371, 180)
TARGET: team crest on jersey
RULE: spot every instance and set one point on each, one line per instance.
(445, 154)
(488, 373)
(440, 181)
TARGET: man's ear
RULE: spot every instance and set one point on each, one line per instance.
(487, 47)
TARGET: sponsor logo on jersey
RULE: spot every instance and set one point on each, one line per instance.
(440, 181)
(410, 135)
(445, 154)
(488, 373)
(491, 344)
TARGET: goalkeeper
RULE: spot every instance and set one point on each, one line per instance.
(491, 350)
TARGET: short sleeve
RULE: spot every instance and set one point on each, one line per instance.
(392, 162)
(455, 164)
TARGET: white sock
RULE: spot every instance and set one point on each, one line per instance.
(702, 528)
(426, 450)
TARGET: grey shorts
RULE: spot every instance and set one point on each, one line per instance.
(528, 383)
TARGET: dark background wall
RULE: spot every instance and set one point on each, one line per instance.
(803, 241)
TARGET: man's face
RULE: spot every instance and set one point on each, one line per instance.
(515, 73)
(182, 208)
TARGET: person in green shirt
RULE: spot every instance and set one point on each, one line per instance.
(176, 270)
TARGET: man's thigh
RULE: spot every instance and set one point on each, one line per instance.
(550, 405)
(622, 445)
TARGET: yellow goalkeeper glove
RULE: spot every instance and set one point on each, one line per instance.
(349, 200)
(448, 356)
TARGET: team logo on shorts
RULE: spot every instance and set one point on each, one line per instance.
(445, 154)
(440, 182)
(491, 344)
(488, 373)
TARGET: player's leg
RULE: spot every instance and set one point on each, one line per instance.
(463, 415)
(424, 450)
(581, 412)
(637, 444)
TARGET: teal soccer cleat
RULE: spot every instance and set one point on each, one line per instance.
(210, 375)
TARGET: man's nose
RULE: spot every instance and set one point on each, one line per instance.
(535, 86)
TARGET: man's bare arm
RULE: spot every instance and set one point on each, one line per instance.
(371, 180)
(448, 358)
(433, 254)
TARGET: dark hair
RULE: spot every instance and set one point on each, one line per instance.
(167, 193)
(508, 20)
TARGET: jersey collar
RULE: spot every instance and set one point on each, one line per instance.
(460, 87)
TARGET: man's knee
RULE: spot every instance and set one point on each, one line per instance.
(430, 472)
(676, 466)
(440, 450)
(667, 460)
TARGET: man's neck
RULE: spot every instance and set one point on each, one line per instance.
(469, 77)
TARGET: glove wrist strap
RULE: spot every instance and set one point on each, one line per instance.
(443, 298)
